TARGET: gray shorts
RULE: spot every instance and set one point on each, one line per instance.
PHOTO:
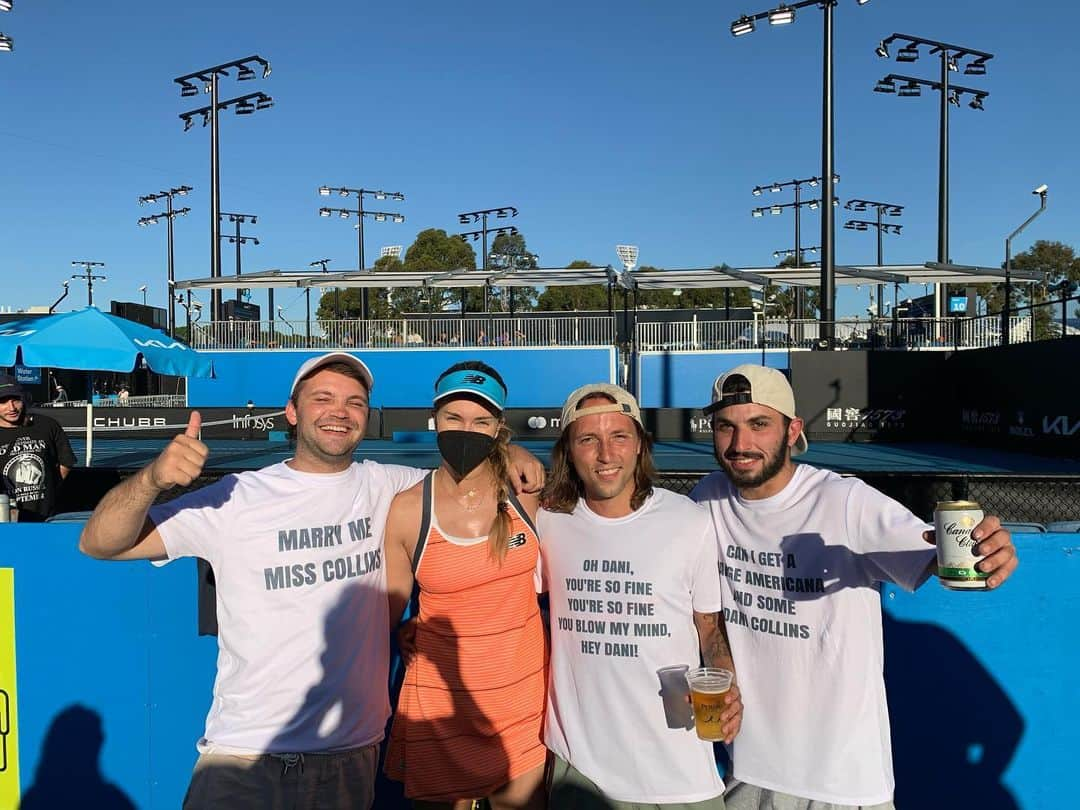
(570, 789)
(741, 796)
(344, 779)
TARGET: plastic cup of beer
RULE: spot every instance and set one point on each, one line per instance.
(708, 688)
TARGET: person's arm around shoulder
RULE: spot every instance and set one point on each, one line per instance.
(526, 471)
(119, 528)
(402, 531)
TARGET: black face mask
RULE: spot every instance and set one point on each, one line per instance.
(464, 450)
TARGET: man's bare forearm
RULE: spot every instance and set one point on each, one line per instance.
(118, 521)
(712, 636)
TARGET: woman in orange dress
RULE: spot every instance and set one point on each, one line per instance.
(468, 723)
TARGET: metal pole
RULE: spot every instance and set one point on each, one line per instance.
(238, 259)
(1008, 266)
(1005, 320)
(483, 263)
(270, 303)
(943, 183)
(307, 322)
(360, 251)
(170, 271)
(828, 219)
(215, 199)
(798, 248)
(880, 261)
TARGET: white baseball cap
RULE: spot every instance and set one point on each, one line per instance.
(315, 363)
(768, 387)
(622, 402)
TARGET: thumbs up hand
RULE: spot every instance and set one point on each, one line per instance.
(182, 461)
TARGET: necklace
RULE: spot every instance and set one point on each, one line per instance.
(471, 499)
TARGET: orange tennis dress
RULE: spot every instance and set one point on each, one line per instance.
(470, 714)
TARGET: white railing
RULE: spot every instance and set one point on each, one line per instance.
(472, 330)
(884, 333)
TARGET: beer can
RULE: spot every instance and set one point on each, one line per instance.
(953, 523)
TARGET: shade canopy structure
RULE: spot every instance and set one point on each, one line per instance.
(929, 273)
(704, 278)
(91, 340)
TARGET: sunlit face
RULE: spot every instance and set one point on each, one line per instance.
(330, 415)
(752, 444)
(604, 448)
(467, 414)
(11, 410)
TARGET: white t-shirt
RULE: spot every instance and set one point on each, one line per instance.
(801, 574)
(622, 595)
(303, 638)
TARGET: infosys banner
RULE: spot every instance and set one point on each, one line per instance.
(164, 423)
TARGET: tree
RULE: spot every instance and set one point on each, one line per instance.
(344, 302)
(433, 252)
(383, 301)
(1057, 262)
(508, 252)
(785, 297)
(577, 298)
(694, 297)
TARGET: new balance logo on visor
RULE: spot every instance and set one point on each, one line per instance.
(516, 541)
(477, 379)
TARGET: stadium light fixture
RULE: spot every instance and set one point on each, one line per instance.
(242, 105)
(361, 213)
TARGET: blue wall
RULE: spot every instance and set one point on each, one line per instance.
(405, 378)
(982, 687)
(119, 640)
(684, 379)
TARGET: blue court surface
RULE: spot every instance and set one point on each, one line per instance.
(671, 457)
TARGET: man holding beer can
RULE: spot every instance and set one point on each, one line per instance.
(632, 576)
(803, 552)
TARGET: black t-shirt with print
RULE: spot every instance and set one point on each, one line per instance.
(30, 457)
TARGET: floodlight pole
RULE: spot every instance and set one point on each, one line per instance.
(948, 54)
(88, 276)
(827, 318)
(482, 218)
(209, 78)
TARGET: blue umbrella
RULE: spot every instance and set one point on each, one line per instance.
(91, 340)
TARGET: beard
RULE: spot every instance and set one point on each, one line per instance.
(773, 463)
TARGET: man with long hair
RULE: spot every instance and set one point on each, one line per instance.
(301, 695)
(803, 554)
(469, 716)
(634, 592)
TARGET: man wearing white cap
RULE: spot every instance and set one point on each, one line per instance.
(300, 700)
(635, 597)
(802, 553)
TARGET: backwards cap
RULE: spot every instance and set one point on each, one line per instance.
(624, 403)
(768, 387)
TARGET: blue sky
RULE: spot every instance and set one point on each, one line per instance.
(603, 122)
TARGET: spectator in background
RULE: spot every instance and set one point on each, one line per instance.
(61, 394)
(35, 455)
(123, 396)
